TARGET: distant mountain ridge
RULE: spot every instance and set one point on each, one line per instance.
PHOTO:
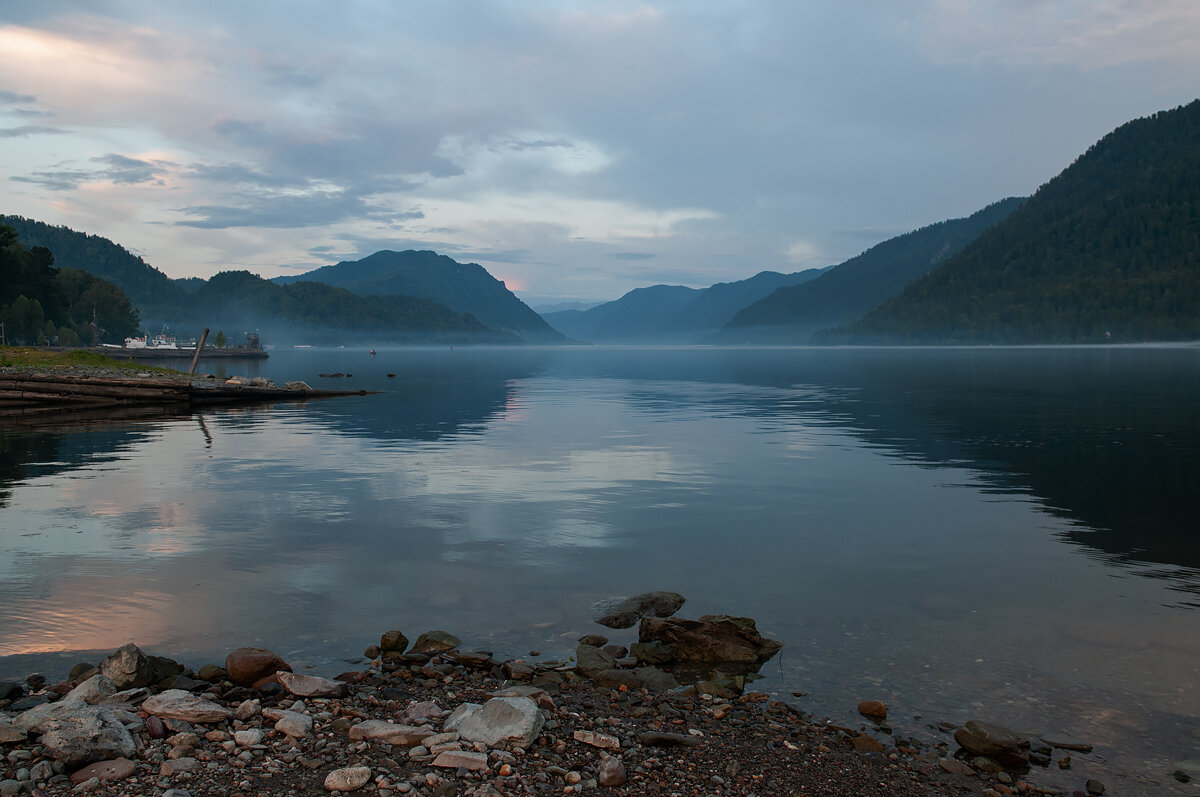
(670, 313)
(237, 300)
(790, 315)
(466, 288)
(1108, 250)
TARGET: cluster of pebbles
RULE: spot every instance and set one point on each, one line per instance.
(435, 720)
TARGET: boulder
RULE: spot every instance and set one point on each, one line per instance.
(10, 733)
(611, 772)
(590, 660)
(289, 723)
(396, 735)
(419, 712)
(93, 691)
(984, 739)
(513, 720)
(312, 686)
(625, 612)
(347, 778)
(654, 652)
(714, 637)
(127, 667)
(35, 719)
(454, 759)
(393, 640)
(873, 709)
(90, 733)
(435, 642)
(177, 704)
(116, 769)
(248, 666)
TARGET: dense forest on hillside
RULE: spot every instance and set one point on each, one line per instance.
(42, 304)
(240, 300)
(1107, 250)
(842, 294)
(319, 310)
(150, 290)
(463, 287)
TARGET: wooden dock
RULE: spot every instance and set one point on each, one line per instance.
(25, 392)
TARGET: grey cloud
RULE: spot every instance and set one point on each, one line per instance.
(56, 181)
(287, 212)
(122, 169)
(632, 255)
(29, 130)
(12, 98)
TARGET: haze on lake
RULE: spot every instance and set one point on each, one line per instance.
(997, 533)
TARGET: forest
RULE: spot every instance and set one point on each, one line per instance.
(41, 304)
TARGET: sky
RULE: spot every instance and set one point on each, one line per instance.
(575, 149)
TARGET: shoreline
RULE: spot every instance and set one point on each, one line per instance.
(704, 737)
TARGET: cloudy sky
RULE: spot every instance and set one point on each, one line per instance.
(576, 149)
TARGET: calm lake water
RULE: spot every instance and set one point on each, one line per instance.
(1004, 534)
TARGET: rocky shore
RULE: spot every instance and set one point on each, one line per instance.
(434, 719)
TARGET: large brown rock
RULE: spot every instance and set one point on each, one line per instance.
(248, 666)
(714, 637)
(984, 739)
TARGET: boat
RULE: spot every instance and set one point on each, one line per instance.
(135, 343)
(163, 340)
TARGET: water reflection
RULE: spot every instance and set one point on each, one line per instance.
(901, 510)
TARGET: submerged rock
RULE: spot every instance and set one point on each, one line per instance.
(985, 739)
(625, 612)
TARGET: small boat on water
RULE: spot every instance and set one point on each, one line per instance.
(163, 340)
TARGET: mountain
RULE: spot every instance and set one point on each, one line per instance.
(148, 288)
(1109, 250)
(670, 313)
(317, 312)
(42, 304)
(463, 287)
(843, 294)
(301, 311)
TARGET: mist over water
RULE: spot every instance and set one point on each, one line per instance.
(1005, 534)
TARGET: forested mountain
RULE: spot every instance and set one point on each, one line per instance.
(42, 304)
(1107, 250)
(790, 315)
(240, 300)
(463, 287)
(318, 312)
(149, 289)
(670, 313)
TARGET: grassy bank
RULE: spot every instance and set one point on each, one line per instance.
(37, 357)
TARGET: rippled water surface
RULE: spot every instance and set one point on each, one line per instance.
(1007, 534)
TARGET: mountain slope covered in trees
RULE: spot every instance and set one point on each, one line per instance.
(233, 300)
(42, 304)
(670, 313)
(844, 293)
(149, 289)
(1107, 250)
(463, 287)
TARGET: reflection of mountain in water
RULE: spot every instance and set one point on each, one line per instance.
(1106, 437)
(433, 396)
(28, 451)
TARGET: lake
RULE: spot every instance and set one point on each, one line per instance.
(1007, 534)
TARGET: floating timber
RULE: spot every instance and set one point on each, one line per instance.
(41, 391)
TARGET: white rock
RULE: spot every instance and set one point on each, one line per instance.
(515, 720)
(180, 705)
(311, 686)
(91, 733)
(347, 779)
(248, 738)
(397, 735)
(93, 690)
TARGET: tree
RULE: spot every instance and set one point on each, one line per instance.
(219, 340)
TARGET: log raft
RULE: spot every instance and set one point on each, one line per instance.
(22, 390)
